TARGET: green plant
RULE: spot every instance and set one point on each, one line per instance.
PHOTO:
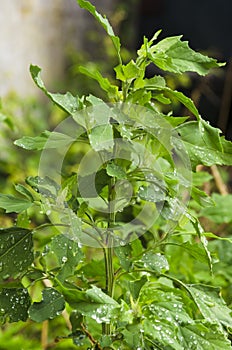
(120, 246)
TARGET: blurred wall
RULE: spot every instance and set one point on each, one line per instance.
(40, 32)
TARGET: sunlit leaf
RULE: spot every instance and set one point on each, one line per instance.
(14, 204)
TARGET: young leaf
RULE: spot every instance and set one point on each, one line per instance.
(104, 23)
(173, 55)
(14, 204)
(14, 304)
(51, 305)
(92, 72)
(16, 246)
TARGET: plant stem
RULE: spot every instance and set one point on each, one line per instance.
(109, 251)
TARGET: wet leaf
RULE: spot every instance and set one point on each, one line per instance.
(211, 305)
(15, 246)
(204, 144)
(14, 304)
(51, 305)
(68, 255)
(155, 262)
(203, 336)
(101, 137)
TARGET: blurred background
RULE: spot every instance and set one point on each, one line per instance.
(58, 36)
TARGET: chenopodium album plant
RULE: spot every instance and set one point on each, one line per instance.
(114, 181)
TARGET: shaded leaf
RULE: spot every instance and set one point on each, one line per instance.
(16, 246)
(51, 305)
(14, 304)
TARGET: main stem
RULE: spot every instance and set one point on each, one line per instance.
(109, 251)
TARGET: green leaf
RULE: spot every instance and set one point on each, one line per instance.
(102, 138)
(92, 72)
(115, 170)
(173, 55)
(203, 336)
(14, 204)
(68, 255)
(67, 102)
(201, 197)
(14, 304)
(221, 211)
(195, 250)
(204, 144)
(152, 193)
(210, 303)
(104, 23)
(24, 191)
(201, 177)
(46, 140)
(51, 305)
(154, 262)
(16, 246)
(127, 72)
(136, 286)
(123, 254)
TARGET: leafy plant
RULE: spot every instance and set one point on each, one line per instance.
(114, 180)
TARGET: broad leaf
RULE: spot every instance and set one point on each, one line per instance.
(51, 305)
(15, 251)
(14, 204)
(104, 23)
(173, 55)
(102, 138)
(211, 305)
(203, 336)
(14, 304)
(204, 144)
